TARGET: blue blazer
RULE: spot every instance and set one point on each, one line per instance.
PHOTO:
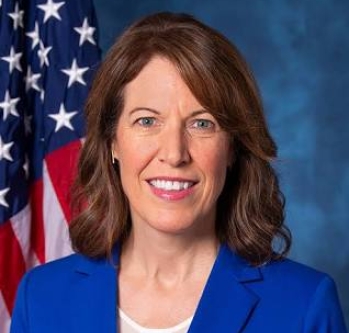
(77, 294)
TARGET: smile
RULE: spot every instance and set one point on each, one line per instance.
(168, 185)
(172, 189)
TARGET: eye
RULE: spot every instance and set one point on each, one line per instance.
(203, 124)
(146, 121)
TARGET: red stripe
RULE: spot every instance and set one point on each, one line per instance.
(12, 264)
(62, 166)
(37, 235)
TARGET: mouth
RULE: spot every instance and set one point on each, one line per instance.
(172, 189)
(171, 185)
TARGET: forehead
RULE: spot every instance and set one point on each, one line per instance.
(157, 70)
(159, 83)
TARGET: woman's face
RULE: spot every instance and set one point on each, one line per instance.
(172, 154)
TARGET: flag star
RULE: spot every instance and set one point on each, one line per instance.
(13, 59)
(43, 54)
(9, 106)
(85, 32)
(75, 73)
(17, 17)
(31, 80)
(34, 35)
(3, 201)
(63, 118)
(5, 150)
(51, 9)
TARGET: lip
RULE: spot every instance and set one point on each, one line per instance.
(173, 179)
(172, 195)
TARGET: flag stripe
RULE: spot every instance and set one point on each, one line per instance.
(57, 242)
(37, 238)
(5, 318)
(12, 264)
(47, 54)
(22, 232)
(61, 166)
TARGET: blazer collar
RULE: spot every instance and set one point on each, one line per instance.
(88, 266)
(226, 302)
(94, 296)
(225, 305)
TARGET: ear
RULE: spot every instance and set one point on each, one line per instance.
(114, 151)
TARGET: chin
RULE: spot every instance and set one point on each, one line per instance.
(174, 222)
(173, 227)
(179, 226)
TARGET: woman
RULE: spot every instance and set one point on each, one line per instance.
(180, 205)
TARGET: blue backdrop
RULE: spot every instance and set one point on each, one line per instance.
(299, 52)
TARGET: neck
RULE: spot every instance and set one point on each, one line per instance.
(168, 259)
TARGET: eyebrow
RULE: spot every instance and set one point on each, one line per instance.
(193, 114)
(143, 109)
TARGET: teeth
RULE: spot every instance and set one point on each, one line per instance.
(169, 185)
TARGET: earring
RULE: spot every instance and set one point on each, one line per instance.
(113, 159)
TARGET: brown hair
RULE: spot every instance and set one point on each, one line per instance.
(250, 212)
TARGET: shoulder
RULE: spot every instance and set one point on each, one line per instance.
(41, 289)
(295, 281)
(301, 287)
(273, 274)
(58, 265)
(48, 279)
(56, 289)
(293, 293)
(307, 291)
(292, 272)
(57, 276)
(54, 270)
(300, 278)
(284, 281)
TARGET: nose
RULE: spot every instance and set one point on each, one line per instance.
(173, 147)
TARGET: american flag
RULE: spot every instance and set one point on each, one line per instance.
(48, 50)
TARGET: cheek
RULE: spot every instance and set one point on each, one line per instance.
(213, 161)
(133, 154)
(214, 155)
(217, 165)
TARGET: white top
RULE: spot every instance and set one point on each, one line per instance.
(127, 325)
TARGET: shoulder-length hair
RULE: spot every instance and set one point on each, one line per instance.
(250, 210)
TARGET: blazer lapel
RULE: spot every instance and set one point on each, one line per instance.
(226, 303)
(94, 298)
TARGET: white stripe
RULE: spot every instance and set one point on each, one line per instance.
(57, 242)
(21, 226)
(5, 319)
